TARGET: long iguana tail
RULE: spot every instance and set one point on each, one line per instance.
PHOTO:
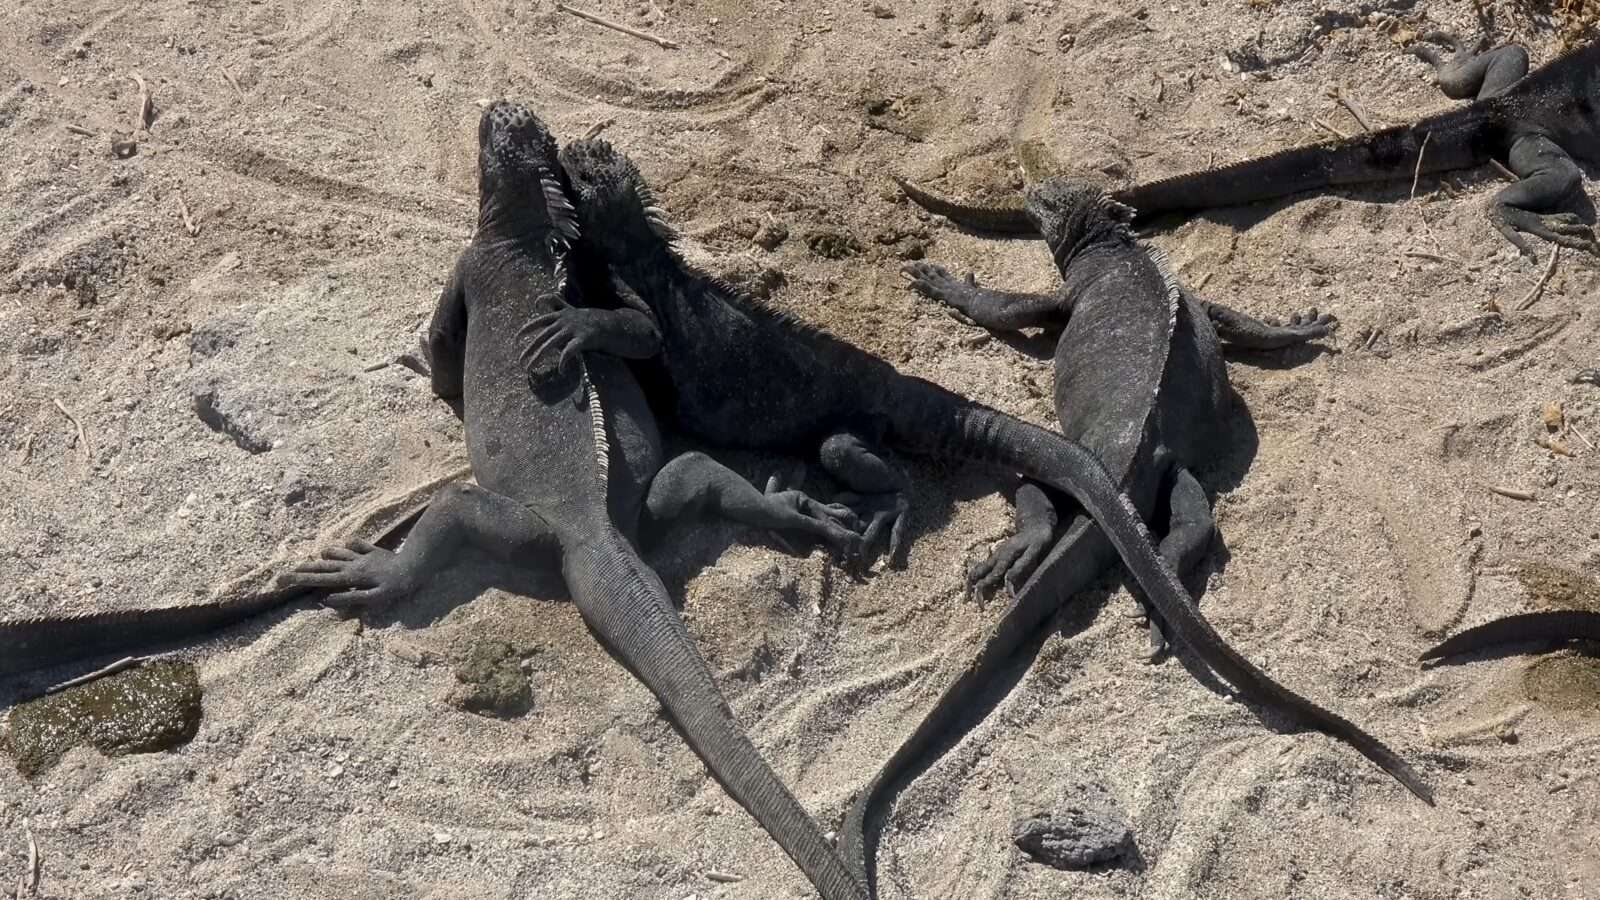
(625, 604)
(1456, 139)
(925, 418)
(1079, 558)
(1554, 625)
(29, 644)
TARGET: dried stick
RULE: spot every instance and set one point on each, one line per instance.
(147, 106)
(131, 662)
(1537, 291)
(618, 26)
(83, 439)
(1513, 493)
(1327, 127)
(79, 129)
(1416, 174)
(189, 223)
(28, 883)
(1349, 103)
(596, 128)
(235, 84)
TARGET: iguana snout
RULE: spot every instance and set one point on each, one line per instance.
(510, 134)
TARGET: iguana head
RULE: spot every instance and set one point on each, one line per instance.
(1071, 214)
(519, 179)
(616, 208)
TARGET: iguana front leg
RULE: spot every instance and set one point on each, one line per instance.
(568, 331)
(694, 482)
(1250, 333)
(365, 576)
(995, 310)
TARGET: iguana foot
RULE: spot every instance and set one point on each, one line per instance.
(933, 281)
(886, 516)
(1309, 325)
(1563, 229)
(361, 575)
(568, 331)
(1011, 563)
(835, 524)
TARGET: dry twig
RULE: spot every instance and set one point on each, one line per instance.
(28, 881)
(618, 26)
(1416, 174)
(596, 128)
(189, 223)
(1537, 291)
(1327, 127)
(228, 77)
(1348, 102)
(83, 439)
(79, 129)
(147, 106)
(131, 662)
(1513, 493)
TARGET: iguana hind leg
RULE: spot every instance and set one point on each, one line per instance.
(1190, 527)
(862, 469)
(1017, 556)
(995, 310)
(364, 576)
(694, 482)
(1473, 73)
(1250, 333)
(1548, 177)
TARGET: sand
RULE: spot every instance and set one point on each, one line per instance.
(324, 152)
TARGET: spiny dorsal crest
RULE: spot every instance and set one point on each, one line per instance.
(563, 218)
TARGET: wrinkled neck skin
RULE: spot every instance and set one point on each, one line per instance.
(632, 245)
(511, 209)
(1069, 233)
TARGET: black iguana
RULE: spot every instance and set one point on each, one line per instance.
(742, 374)
(1139, 380)
(1535, 123)
(1551, 625)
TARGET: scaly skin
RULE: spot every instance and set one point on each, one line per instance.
(1552, 625)
(1534, 123)
(734, 372)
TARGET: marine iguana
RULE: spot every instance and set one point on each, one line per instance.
(1550, 625)
(739, 373)
(1140, 381)
(1534, 122)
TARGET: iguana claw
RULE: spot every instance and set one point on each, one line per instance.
(361, 575)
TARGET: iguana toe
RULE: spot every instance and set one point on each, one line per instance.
(1012, 563)
(359, 575)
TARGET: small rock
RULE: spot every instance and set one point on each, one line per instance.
(1083, 826)
(441, 838)
(879, 11)
(770, 235)
(292, 488)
